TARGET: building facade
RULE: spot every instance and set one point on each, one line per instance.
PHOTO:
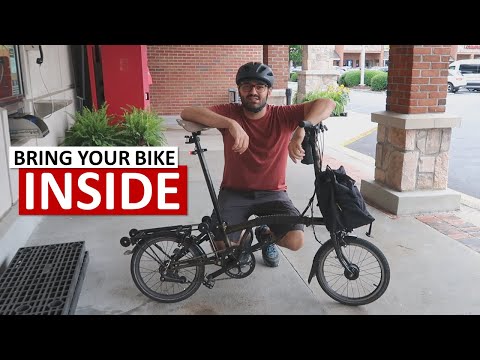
(201, 75)
(462, 52)
(350, 55)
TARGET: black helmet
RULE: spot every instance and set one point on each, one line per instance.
(255, 71)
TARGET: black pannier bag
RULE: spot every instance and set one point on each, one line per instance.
(340, 201)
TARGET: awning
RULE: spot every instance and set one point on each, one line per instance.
(335, 55)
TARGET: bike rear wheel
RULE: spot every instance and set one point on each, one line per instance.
(151, 261)
(372, 272)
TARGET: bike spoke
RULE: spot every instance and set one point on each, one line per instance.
(369, 276)
(155, 261)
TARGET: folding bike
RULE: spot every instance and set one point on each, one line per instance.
(168, 263)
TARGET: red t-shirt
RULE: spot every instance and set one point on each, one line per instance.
(263, 165)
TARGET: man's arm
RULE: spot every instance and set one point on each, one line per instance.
(318, 110)
(210, 118)
(206, 117)
(314, 111)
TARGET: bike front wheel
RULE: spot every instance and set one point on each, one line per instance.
(369, 279)
(155, 275)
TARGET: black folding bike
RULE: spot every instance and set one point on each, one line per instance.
(168, 263)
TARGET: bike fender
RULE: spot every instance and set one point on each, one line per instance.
(314, 265)
(179, 238)
(161, 234)
(317, 255)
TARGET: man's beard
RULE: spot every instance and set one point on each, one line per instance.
(253, 108)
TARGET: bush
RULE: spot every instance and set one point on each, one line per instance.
(379, 81)
(137, 127)
(352, 78)
(293, 77)
(369, 74)
(92, 128)
(341, 79)
(143, 128)
(339, 94)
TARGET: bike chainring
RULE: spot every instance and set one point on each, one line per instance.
(244, 269)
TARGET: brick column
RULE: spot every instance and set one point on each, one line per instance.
(276, 56)
(413, 138)
(317, 69)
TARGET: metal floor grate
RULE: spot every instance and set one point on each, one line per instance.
(41, 280)
(78, 287)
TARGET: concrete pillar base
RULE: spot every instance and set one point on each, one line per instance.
(409, 202)
(278, 97)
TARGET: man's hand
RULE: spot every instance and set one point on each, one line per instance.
(240, 136)
(295, 150)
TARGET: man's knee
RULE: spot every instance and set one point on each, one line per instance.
(293, 240)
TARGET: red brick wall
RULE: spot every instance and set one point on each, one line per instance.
(276, 56)
(417, 78)
(195, 75)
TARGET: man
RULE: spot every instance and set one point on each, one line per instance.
(257, 139)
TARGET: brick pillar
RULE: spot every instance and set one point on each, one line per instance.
(317, 69)
(276, 56)
(413, 137)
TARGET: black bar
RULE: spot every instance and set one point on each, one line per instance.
(288, 94)
(209, 182)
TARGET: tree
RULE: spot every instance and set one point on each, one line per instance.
(295, 54)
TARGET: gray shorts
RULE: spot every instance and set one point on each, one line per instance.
(237, 206)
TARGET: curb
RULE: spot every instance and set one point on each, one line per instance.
(367, 160)
(469, 201)
(359, 136)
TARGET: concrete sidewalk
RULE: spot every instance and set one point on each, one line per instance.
(431, 271)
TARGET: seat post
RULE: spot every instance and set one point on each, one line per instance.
(206, 173)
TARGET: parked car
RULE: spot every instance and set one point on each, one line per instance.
(380, 68)
(470, 69)
(456, 81)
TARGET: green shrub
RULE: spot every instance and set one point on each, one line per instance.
(293, 77)
(137, 127)
(369, 74)
(341, 79)
(352, 78)
(92, 128)
(339, 94)
(379, 81)
(143, 127)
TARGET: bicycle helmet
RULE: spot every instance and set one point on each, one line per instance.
(255, 71)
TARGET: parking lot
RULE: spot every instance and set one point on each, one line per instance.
(464, 167)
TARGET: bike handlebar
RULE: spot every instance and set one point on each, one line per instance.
(308, 125)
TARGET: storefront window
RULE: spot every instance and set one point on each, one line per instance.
(11, 89)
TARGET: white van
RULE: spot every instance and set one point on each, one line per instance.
(456, 81)
(470, 69)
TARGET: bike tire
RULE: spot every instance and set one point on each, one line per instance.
(188, 288)
(322, 273)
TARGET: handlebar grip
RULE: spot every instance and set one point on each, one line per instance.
(308, 158)
(305, 124)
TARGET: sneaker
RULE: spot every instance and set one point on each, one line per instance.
(270, 254)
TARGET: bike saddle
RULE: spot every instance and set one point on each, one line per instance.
(191, 126)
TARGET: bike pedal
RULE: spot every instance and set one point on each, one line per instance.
(209, 283)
